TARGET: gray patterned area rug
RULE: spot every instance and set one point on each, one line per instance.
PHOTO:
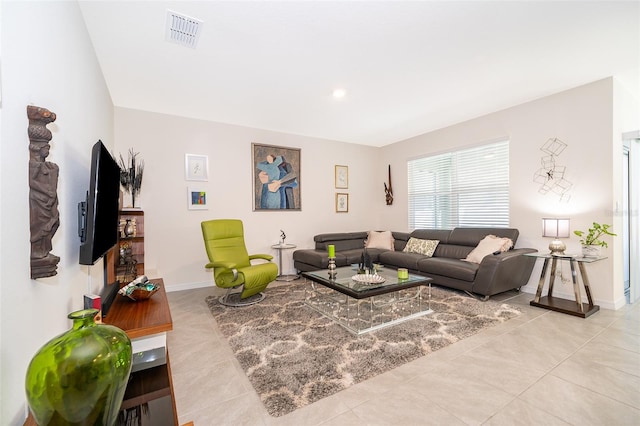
(294, 356)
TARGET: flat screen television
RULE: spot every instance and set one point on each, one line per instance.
(98, 214)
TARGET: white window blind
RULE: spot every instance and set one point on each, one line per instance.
(462, 188)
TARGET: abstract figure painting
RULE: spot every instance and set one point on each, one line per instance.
(276, 177)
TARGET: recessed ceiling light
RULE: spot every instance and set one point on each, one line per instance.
(339, 93)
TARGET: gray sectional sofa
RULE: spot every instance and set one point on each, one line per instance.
(496, 273)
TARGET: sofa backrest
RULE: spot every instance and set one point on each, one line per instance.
(472, 236)
(458, 242)
(400, 240)
(342, 240)
(441, 235)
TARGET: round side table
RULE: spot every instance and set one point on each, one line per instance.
(280, 247)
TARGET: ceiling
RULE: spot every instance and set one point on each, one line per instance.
(407, 67)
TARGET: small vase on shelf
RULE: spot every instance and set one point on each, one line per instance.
(129, 228)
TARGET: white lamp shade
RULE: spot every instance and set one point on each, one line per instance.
(556, 228)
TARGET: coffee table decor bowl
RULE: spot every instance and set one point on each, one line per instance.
(366, 302)
(368, 278)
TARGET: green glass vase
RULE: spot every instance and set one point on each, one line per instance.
(79, 377)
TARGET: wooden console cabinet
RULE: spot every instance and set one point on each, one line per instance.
(142, 320)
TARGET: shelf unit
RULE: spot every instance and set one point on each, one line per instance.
(126, 260)
(141, 320)
(152, 387)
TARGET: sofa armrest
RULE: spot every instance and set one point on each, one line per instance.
(504, 271)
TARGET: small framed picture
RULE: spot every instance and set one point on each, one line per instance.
(197, 198)
(342, 177)
(342, 203)
(196, 167)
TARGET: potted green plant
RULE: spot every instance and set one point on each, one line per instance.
(591, 240)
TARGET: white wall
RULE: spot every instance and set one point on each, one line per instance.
(174, 248)
(48, 61)
(582, 118)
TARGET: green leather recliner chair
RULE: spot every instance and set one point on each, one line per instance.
(231, 263)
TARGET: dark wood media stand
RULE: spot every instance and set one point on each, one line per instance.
(140, 320)
(144, 318)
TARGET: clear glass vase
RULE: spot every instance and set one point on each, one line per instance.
(80, 376)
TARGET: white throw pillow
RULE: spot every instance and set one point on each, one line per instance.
(489, 245)
(416, 245)
(379, 240)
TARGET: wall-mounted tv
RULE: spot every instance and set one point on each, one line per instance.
(98, 215)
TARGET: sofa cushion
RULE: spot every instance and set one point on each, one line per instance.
(424, 247)
(489, 244)
(318, 258)
(379, 240)
(399, 259)
(453, 268)
(452, 251)
(354, 256)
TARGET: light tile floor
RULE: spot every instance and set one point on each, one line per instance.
(543, 368)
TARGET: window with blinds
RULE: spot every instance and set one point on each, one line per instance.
(462, 188)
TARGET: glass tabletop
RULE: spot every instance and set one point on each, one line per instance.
(345, 283)
(576, 257)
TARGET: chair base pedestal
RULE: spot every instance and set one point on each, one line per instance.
(234, 300)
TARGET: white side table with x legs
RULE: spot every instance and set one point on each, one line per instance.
(280, 247)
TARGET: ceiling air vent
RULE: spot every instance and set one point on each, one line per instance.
(182, 29)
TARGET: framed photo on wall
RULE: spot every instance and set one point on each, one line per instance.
(276, 177)
(342, 203)
(342, 177)
(197, 198)
(196, 167)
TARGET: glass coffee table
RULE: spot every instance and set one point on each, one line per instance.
(361, 307)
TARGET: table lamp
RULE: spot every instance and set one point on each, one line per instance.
(556, 228)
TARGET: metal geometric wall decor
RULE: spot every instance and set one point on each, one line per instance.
(43, 195)
(550, 175)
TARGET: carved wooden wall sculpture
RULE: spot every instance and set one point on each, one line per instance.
(43, 195)
(388, 191)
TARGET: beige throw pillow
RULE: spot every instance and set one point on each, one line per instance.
(379, 240)
(416, 245)
(489, 245)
